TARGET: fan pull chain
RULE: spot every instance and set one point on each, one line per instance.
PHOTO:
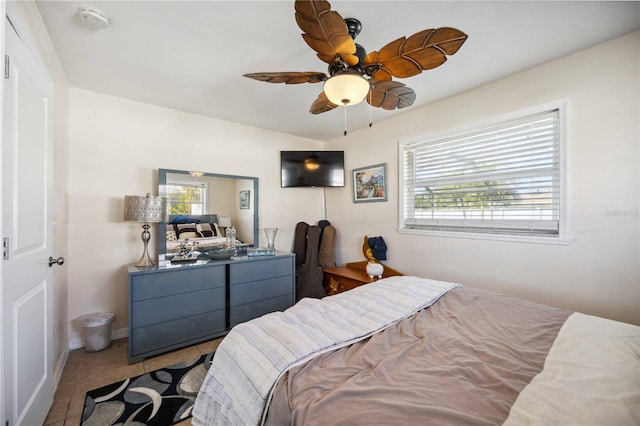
(345, 119)
(370, 119)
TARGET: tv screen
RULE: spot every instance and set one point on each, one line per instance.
(311, 168)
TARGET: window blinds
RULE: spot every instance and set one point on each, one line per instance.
(502, 180)
(186, 198)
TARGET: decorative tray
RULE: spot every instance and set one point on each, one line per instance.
(221, 253)
(261, 251)
(177, 259)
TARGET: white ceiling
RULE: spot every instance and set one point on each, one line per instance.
(191, 55)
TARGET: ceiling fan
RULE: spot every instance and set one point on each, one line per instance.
(355, 75)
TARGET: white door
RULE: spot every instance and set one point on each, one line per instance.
(27, 162)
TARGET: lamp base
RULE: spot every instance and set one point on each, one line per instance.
(145, 261)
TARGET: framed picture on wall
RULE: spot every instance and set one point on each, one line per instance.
(370, 183)
(244, 199)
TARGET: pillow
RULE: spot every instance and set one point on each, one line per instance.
(205, 230)
(218, 232)
(171, 236)
(186, 230)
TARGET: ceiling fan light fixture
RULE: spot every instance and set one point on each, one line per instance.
(346, 89)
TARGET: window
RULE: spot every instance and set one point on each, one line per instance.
(186, 198)
(496, 181)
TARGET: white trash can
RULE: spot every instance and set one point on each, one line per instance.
(96, 330)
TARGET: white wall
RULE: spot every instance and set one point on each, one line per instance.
(599, 272)
(116, 147)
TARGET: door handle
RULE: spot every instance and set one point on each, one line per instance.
(58, 261)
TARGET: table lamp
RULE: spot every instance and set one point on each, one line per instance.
(224, 222)
(147, 209)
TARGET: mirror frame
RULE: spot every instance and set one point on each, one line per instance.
(162, 181)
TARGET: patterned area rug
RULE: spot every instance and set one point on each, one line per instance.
(161, 397)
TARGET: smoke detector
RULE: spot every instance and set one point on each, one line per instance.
(93, 18)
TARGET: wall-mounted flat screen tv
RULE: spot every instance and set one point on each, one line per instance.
(311, 168)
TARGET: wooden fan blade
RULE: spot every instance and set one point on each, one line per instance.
(325, 31)
(406, 57)
(322, 104)
(390, 95)
(288, 77)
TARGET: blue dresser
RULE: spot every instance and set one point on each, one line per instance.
(176, 305)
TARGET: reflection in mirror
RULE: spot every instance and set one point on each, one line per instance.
(226, 200)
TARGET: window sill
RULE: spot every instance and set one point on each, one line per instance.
(562, 241)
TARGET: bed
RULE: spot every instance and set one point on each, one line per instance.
(409, 350)
(201, 230)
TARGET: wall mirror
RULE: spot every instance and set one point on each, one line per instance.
(232, 200)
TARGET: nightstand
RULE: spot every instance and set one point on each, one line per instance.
(343, 278)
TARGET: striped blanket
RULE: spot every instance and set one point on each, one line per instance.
(254, 355)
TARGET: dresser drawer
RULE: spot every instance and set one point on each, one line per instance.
(181, 280)
(260, 269)
(159, 336)
(160, 309)
(253, 310)
(258, 290)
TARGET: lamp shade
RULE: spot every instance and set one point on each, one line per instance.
(346, 89)
(225, 222)
(145, 209)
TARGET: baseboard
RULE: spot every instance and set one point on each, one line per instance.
(58, 373)
(120, 334)
(77, 343)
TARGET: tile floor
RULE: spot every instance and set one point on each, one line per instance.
(85, 371)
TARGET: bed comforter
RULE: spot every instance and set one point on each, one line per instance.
(254, 355)
(472, 357)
